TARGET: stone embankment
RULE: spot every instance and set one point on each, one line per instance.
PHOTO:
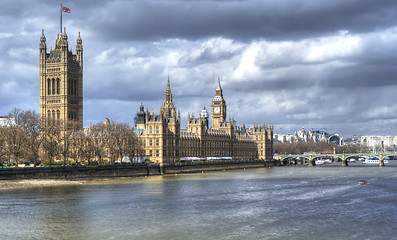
(125, 170)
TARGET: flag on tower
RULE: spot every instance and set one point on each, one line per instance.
(65, 9)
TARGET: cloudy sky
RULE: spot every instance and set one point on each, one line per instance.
(328, 65)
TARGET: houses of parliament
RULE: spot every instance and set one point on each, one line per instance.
(61, 98)
(166, 142)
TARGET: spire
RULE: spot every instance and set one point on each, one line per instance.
(64, 35)
(168, 94)
(168, 84)
(79, 41)
(219, 88)
(167, 110)
(42, 38)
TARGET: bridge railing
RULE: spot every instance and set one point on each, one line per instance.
(339, 155)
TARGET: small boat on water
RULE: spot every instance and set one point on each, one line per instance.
(374, 161)
(362, 182)
(320, 162)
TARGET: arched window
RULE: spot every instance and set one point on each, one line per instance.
(53, 114)
(150, 130)
(157, 130)
(53, 86)
(74, 87)
(48, 86)
(48, 114)
(58, 85)
(58, 113)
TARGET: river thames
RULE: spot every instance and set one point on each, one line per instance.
(275, 203)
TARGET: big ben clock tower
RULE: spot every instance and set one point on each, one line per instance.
(218, 107)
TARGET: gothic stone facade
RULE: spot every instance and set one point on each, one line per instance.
(166, 142)
(61, 80)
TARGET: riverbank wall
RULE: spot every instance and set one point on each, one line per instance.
(125, 170)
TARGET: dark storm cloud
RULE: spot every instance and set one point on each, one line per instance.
(206, 56)
(363, 76)
(374, 66)
(262, 85)
(243, 20)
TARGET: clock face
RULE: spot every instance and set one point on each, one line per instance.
(217, 109)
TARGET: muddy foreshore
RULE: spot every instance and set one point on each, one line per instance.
(34, 183)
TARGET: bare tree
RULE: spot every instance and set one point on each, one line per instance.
(75, 141)
(131, 146)
(52, 139)
(111, 141)
(29, 121)
(119, 133)
(68, 130)
(86, 150)
(15, 135)
(3, 145)
(99, 137)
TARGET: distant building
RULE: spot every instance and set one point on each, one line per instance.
(6, 121)
(309, 136)
(378, 143)
(166, 142)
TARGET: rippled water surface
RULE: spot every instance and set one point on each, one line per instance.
(276, 203)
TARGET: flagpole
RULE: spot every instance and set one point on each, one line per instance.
(61, 17)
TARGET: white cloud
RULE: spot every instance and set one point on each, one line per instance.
(247, 67)
(22, 54)
(6, 35)
(330, 48)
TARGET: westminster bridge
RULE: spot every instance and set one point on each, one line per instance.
(343, 157)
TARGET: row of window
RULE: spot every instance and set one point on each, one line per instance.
(72, 115)
(54, 114)
(72, 87)
(54, 85)
(156, 155)
(53, 70)
(53, 101)
(150, 143)
(151, 130)
(57, 114)
(257, 137)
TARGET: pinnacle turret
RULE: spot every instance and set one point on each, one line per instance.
(64, 35)
(42, 38)
(168, 93)
(79, 41)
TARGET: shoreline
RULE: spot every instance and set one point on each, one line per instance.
(36, 183)
(73, 176)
